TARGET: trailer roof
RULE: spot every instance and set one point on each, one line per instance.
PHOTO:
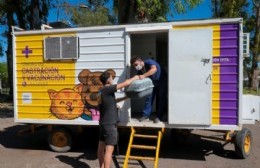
(143, 25)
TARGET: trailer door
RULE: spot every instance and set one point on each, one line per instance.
(190, 65)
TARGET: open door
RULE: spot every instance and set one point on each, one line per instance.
(190, 65)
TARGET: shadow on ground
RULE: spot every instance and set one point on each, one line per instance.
(193, 148)
(72, 161)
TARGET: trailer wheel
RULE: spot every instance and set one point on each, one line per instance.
(60, 139)
(243, 143)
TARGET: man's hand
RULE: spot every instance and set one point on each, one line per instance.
(127, 82)
(136, 77)
(141, 77)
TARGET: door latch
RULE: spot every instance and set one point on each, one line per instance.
(205, 61)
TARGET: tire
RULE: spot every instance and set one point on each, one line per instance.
(243, 143)
(60, 139)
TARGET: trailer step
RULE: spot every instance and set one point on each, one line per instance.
(143, 147)
(141, 158)
(156, 148)
(146, 136)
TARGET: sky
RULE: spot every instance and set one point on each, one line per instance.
(203, 11)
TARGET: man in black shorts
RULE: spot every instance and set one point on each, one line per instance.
(108, 117)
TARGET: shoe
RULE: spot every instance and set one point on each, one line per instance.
(144, 118)
(156, 120)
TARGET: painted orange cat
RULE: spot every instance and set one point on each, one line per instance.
(66, 104)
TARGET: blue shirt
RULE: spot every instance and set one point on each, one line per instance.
(147, 66)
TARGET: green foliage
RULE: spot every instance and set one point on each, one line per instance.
(20, 12)
(95, 13)
(26, 14)
(88, 17)
(181, 6)
(230, 8)
(3, 68)
(95, 3)
(251, 18)
(154, 10)
(3, 74)
(151, 10)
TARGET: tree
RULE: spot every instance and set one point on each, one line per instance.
(239, 8)
(3, 74)
(129, 11)
(132, 11)
(229, 8)
(255, 42)
(26, 14)
(93, 13)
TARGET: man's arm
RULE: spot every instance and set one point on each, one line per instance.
(152, 71)
(126, 82)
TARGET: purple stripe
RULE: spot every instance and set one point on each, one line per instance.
(229, 86)
(230, 42)
(225, 60)
(229, 78)
(229, 69)
(228, 73)
(229, 51)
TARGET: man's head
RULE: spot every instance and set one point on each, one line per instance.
(137, 62)
(106, 78)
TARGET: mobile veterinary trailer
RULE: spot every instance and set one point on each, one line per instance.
(56, 73)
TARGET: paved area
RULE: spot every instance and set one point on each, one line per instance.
(31, 150)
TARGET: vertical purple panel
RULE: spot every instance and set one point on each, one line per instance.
(229, 54)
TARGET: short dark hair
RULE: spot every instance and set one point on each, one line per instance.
(104, 77)
(134, 59)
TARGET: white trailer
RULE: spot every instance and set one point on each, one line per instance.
(56, 74)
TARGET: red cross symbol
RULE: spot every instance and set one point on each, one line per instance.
(26, 52)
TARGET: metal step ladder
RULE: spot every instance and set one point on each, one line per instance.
(155, 148)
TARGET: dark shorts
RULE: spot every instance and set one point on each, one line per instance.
(108, 134)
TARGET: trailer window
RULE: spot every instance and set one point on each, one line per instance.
(61, 48)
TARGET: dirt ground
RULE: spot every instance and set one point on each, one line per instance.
(31, 150)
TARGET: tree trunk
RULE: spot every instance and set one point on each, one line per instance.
(127, 10)
(256, 42)
(9, 54)
(216, 13)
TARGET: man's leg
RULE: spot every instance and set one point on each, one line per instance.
(147, 105)
(101, 153)
(149, 102)
(108, 155)
(162, 99)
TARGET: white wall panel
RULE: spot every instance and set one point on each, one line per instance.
(102, 49)
(106, 33)
(102, 41)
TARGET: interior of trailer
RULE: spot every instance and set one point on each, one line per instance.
(152, 45)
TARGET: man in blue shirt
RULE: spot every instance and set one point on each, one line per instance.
(152, 69)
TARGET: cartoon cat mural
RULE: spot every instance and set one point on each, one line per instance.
(66, 104)
(82, 101)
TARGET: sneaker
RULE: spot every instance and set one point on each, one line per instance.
(156, 120)
(144, 118)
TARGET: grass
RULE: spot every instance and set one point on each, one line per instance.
(251, 91)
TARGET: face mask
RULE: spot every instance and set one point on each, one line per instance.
(138, 67)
